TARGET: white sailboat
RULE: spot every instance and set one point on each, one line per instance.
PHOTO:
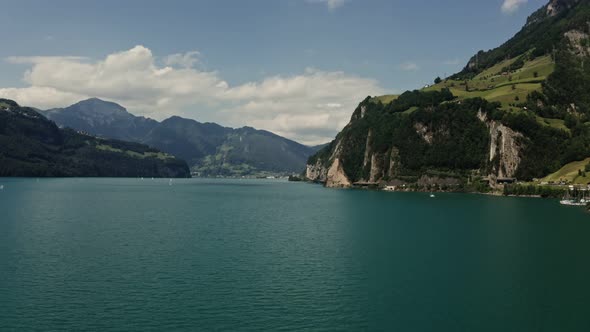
(574, 201)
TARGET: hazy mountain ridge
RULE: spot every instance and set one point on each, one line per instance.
(209, 148)
(31, 145)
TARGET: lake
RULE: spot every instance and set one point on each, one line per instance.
(205, 254)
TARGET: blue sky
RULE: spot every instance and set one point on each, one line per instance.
(296, 67)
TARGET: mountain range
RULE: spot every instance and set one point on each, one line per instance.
(210, 149)
(520, 111)
(31, 145)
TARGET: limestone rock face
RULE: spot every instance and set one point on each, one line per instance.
(577, 40)
(336, 177)
(316, 172)
(505, 146)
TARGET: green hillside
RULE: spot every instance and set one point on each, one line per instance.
(533, 89)
(498, 83)
(31, 145)
(577, 172)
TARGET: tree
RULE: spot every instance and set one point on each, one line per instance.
(536, 74)
(437, 80)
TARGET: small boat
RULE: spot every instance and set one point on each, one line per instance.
(571, 202)
(432, 195)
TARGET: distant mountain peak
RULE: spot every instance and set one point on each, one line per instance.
(99, 106)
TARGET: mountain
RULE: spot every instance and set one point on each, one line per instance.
(102, 118)
(209, 148)
(246, 150)
(521, 110)
(31, 145)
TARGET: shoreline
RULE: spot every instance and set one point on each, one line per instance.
(494, 193)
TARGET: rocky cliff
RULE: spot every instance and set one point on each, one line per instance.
(432, 146)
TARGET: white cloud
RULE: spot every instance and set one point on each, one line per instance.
(310, 107)
(409, 66)
(511, 6)
(332, 4)
(186, 60)
(41, 97)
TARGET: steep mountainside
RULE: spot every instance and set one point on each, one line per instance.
(246, 150)
(31, 145)
(208, 147)
(187, 139)
(521, 110)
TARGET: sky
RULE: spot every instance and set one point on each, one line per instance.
(297, 68)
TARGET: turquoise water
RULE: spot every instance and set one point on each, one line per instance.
(133, 255)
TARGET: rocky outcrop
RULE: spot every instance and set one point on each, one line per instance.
(557, 6)
(336, 177)
(424, 132)
(358, 114)
(579, 42)
(368, 153)
(316, 172)
(505, 150)
(394, 162)
(377, 167)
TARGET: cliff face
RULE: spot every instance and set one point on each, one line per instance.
(505, 149)
(317, 172)
(336, 177)
(426, 140)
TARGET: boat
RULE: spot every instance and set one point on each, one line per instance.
(571, 202)
(389, 188)
(432, 195)
(573, 198)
